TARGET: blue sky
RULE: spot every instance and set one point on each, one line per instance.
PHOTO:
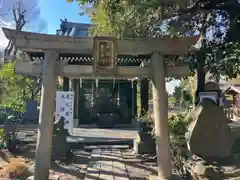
(53, 10)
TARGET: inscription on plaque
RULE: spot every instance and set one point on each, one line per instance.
(104, 54)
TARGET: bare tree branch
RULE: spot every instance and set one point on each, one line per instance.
(22, 12)
(14, 15)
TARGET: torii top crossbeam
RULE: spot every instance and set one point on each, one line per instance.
(39, 42)
(35, 42)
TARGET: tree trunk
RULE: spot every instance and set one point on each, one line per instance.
(200, 79)
(134, 99)
(201, 61)
(144, 88)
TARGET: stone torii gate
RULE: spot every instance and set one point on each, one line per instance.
(105, 51)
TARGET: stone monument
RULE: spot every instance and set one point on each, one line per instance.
(209, 135)
(211, 139)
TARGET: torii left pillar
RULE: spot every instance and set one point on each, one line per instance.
(47, 109)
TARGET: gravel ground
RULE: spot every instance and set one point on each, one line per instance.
(138, 169)
(74, 170)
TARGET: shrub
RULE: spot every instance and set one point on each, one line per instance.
(3, 143)
(177, 125)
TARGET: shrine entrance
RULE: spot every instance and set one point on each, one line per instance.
(105, 103)
(104, 52)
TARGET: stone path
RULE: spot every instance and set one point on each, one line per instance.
(97, 163)
(116, 164)
(106, 164)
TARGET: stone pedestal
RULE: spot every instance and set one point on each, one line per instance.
(141, 147)
(60, 148)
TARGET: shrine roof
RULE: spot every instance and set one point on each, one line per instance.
(232, 89)
(68, 24)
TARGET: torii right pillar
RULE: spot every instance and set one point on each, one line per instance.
(160, 104)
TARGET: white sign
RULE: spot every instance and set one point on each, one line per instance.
(64, 108)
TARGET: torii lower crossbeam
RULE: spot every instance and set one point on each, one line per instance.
(122, 72)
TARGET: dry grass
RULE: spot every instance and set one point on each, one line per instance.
(15, 167)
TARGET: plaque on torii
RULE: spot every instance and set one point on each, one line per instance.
(105, 56)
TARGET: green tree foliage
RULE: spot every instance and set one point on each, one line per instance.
(16, 89)
(182, 97)
(219, 26)
(184, 94)
(171, 101)
(129, 19)
(102, 26)
(216, 21)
